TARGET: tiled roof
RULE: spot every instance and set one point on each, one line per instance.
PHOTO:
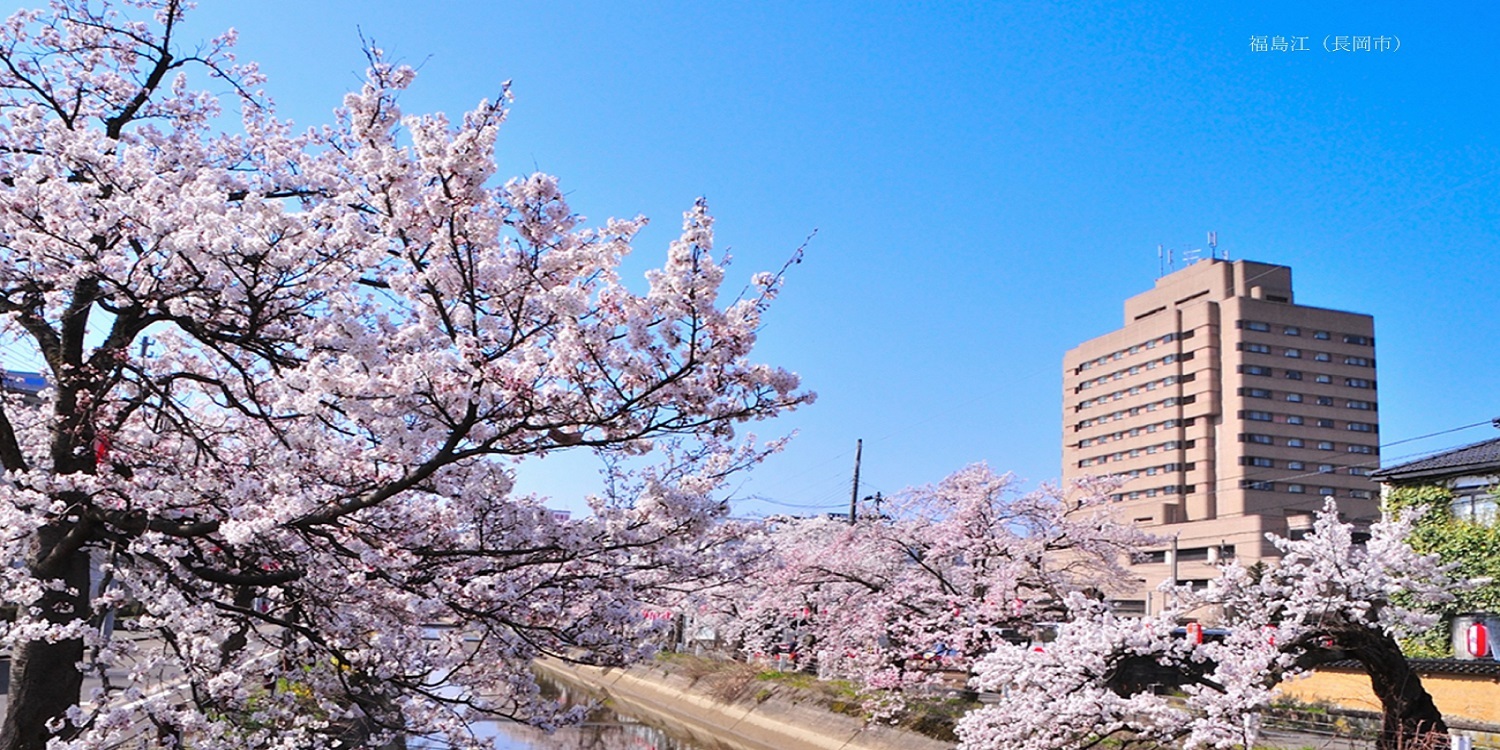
(1481, 457)
(1486, 667)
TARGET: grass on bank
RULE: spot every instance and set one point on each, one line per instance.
(731, 681)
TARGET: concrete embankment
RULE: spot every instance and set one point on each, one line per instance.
(770, 720)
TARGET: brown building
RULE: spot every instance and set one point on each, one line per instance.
(1228, 411)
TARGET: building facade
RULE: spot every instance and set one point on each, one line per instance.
(1227, 411)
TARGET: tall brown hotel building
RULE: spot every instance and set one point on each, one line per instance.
(1227, 411)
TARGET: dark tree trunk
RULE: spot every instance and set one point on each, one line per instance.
(1411, 721)
(44, 677)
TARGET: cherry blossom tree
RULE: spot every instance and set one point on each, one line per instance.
(932, 578)
(298, 493)
(1330, 597)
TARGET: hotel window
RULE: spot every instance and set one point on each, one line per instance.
(1322, 357)
(1295, 398)
(1320, 335)
(1257, 348)
(1292, 331)
(1295, 489)
(1325, 445)
(1255, 325)
(1294, 353)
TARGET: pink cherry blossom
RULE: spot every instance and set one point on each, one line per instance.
(299, 492)
(1329, 597)
(928, 581)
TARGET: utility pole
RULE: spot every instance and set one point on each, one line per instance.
(859, 446)
(1174, 559)
(1173, 590)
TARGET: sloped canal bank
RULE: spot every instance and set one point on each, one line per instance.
(603, 729)
(763, 719)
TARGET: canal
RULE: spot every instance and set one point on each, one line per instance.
(603, 729)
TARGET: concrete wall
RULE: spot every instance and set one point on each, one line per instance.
(1461, 698)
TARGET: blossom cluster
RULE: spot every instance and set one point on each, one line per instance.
(927, 582)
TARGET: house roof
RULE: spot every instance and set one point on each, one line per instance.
(1476, 458)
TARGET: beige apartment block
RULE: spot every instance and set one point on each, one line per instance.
(1227, 411)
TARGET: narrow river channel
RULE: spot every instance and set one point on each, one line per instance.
(603, 729)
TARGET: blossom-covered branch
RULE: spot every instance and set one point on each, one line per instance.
(1332, 596)
(355, 333)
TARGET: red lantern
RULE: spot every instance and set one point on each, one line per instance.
(1194, 633)
(1479, 639)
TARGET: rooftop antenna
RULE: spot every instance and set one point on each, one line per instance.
(1213, 246)
(1161, 269)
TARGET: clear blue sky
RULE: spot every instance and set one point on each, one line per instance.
(988, 183)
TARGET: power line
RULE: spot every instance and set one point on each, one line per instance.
(1328, 460)
(1301, 502)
